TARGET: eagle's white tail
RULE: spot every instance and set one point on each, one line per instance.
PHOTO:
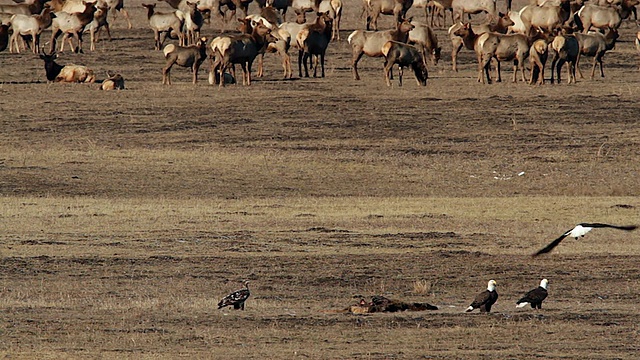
(470, 308)
(522, 304)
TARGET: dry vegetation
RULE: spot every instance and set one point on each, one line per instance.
(125, 216)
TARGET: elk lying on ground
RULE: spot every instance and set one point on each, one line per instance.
(241, 49)
(404, 55)
(371, 42)
(425, 39)
(513, 47)
(99, 21)
(595, 44)
(163, 24)
(191, 56)
(538, 55)
(565, 50)
(29, 25)
(68, 73)
(71, 25)
(497, 24)
(461, 7)
(397, 8)
(113, 82)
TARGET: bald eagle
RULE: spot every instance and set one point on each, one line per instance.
(581, 230)
(236, 298)
(535, 297)
(485, 299)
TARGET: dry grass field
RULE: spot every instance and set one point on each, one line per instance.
(125, 216)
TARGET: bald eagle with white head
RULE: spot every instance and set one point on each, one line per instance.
(581, 230)
(535, 297)
(485, 300)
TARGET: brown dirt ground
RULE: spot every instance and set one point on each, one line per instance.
(127, 215)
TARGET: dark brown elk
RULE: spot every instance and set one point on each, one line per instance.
(191, 56)
(370, 42)
(404, 55)
(241, 49)
(397, 8)
(313, 42)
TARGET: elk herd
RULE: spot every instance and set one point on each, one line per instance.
(564, 30)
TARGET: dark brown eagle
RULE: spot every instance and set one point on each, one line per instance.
(485, 299)
(535, 297)
(236, 298)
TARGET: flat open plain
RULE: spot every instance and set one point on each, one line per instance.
(125, 216)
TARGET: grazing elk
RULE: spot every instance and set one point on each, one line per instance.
(163, 24)
(397, 8)
(71, 25)
(497, 24)
(565, 50)
(29, 25)
(596, 45)
(370, 42)
(191, 56)
(404, 55)
(112, 82)
(241, 49)
(313, 40)
(68, 73)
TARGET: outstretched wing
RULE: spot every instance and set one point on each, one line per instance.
(600, 225)
(553, 244)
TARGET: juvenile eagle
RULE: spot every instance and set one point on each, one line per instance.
(236, 298)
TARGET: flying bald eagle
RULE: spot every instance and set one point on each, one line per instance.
(581, 230)
(485, 299)
(236, 298)
(535, 297)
